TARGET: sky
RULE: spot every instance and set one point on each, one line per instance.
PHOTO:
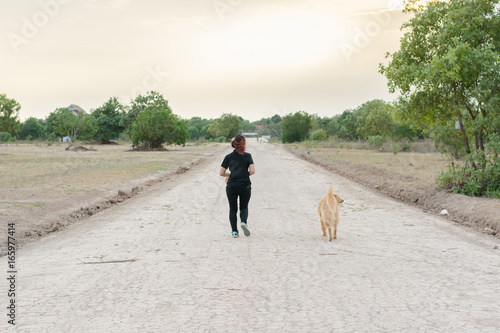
(252, 58)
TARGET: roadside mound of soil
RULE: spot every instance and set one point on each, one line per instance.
(145, 147)
(482, 214)
(101, 142)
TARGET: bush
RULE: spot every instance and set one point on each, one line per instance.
(319, 135)
(396, 148)
(478, 176)
(377, 141)
(5, 137)
(52, 137)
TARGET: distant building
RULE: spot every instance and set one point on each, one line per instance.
(76, 109)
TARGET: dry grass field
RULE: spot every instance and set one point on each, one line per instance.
(421, 166)
(423, 162)
(42, 185)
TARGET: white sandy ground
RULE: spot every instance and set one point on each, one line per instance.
(393, 268)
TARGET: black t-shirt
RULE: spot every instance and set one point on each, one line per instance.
(238, 165)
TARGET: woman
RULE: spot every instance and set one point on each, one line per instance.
(241, 166)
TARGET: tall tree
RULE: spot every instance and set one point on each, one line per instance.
(227, 126)
(448, 67)
(156, 125)
(9, 114)
(376, 120)
(447, 70)
(109, 119)
(31, 128)
(296, 127)
(141, 103)
(74, 126)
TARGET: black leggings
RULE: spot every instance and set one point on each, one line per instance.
(244, 192)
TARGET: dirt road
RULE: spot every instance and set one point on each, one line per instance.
(392, 268)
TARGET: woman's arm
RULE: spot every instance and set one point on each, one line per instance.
(251, 169)
(223, 172)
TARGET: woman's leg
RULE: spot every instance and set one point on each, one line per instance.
(245, 194)
(232, 197)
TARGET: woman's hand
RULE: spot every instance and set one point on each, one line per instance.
(251, 169)
(223, 173)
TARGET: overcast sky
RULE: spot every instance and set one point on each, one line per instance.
(253, 58)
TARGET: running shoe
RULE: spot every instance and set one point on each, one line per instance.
(235, 234)
(245, 229)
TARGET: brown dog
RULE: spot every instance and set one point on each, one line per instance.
(328, 210)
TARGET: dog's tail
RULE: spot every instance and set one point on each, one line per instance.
(329, 200)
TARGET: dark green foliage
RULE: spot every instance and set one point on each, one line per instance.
(377, 141)
(447, 70)
(295, 127)
(31, 127)
(9, 114)
(194, 133)
(201, 125)
(157, 125)
(319, 135)
(142, 102)
(109, 119)
(227, 126)
(5, 137)
(81, 126)
(479, 175)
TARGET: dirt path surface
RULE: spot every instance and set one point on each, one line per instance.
(392, 268)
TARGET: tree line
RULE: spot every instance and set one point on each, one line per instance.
(150, 120)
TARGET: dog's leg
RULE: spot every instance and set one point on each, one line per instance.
(329, 234)
(323, 228)
(336, 224)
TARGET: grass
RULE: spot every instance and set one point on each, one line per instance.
(423, 163)
(34, 166)
(42, 180)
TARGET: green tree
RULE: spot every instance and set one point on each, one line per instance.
(276, 119)
(81, 126)
(109, 119)
(333, 127)
(31, 127)
(448, 67)
(407, 132)
(227, 126)
(377, 120)
(201, 124)
(194, 133)
(246, 126)
(9, 114)
(50, 125)
(296, 127)
(141, 103)
(448, 70)
(349, 125)
(270, 126)
(157, 125)
(447, 139)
